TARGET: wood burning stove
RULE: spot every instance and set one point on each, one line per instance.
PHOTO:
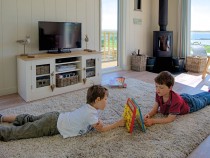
(163, 41)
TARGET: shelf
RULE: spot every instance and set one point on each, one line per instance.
(43, 75)
(72, 62)
(67, 60)
(92, 67)
(60, 72)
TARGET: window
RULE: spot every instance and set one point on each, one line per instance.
(137, 5)
(200, 26)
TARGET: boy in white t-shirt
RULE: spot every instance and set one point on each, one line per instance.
(68, 124)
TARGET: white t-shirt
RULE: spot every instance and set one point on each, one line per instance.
(77, 122)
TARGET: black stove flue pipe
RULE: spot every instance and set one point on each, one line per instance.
(163, 14)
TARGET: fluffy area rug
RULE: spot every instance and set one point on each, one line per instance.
(177, 139)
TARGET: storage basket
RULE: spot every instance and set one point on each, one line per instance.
(196, 63)
(138, 63)
(41, 70)
(90, 62)
(62, 82)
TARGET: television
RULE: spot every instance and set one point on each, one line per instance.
(58, 37)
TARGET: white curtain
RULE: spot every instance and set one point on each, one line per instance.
(184, 28)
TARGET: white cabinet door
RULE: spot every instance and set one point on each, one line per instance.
(43, 78)
(92, 69)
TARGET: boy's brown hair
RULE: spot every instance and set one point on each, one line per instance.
(166, 78)
(94, 92)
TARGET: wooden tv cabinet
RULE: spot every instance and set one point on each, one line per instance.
(45, 75)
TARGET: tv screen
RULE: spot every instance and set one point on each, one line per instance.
(58, 36)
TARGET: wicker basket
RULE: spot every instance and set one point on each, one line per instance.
(138, 63)
(90, 62)
(42, 69)
(195, 63)
(63, 82)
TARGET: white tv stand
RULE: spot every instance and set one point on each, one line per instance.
(45, 75)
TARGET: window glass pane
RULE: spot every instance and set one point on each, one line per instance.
(200, 27)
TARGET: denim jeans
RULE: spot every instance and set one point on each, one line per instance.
(197, 101)
(29, 126)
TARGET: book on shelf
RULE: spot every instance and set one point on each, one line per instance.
(132, 113)
(118, 82)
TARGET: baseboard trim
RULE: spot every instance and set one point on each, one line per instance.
(7, 91)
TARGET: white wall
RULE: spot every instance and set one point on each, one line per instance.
(137, 36)
(19, 18)
(140, 34)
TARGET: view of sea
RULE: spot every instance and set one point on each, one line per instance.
(201, 37)
(202, 42)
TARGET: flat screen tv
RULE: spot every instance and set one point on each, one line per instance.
(57, 37)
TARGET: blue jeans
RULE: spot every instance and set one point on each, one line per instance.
(197, 101)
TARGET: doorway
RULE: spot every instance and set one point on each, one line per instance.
(109, 33)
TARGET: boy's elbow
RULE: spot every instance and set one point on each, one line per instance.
(172, 118)
(102, 129)
(106, 128)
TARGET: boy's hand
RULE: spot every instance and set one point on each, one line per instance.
(99, 125)
(146, 116)
(103, 128)
(148, 122)
(121, 122)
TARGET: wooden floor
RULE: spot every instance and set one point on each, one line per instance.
(185, 83)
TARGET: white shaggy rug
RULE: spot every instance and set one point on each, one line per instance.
(177, 139)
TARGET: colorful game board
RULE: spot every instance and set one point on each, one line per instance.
(139, 116)
(131, 113)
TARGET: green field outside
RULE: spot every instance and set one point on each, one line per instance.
(207, 49)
